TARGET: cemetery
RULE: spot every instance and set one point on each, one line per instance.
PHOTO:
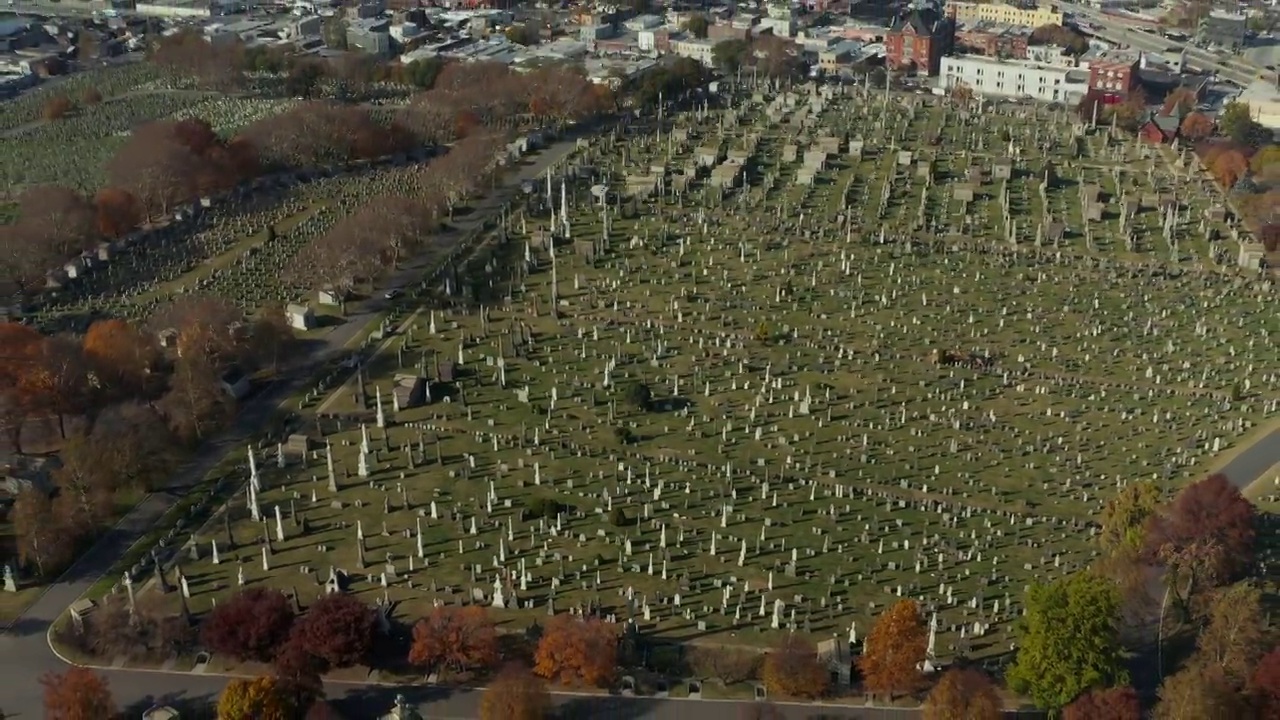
(764, 366)
(75, 150)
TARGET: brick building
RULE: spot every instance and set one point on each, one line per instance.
(719, 32)
(1113, 74)
(989, 40)
(918, 39)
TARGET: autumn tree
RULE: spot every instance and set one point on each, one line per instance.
(57, 107)
(189, 53)
(143, 630)
(337, 629)
(963, 693)
(252, 625)
(1193, 694)
(729, 665)
(85, 488)
(792, 668)
(195, 404)
(1235, 634)
(1229, 167)
(1067, 641)
(1135, 581)
(118, 212)
(57, 219)
(1265, 684)
(91, 96)
(1181, 100)
(260, 698)
(134, 446)
(1205, 536)
(1265, 164)
(77, 694)
(43, 539)
(1125, 517)
(1090, 106)
(1117, 703)
(454, 638)
(122, 357)
(894, 650)
(577, 651)
(516, 694)
(1196, 126)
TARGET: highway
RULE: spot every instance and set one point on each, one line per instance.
(1114, 30)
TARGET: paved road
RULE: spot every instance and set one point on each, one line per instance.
(1114, 29)
(1254, 460)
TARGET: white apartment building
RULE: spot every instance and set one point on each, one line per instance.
(1014, 79)
(699, 50)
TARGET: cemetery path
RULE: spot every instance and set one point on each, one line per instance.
(25, 652)
(1253, 461)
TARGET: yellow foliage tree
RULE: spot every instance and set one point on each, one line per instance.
(257, 699)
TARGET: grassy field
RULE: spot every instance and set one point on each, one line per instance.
(802, 454)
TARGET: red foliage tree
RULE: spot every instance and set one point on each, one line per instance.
(1265, 684)
(252, 625)
(454, 638)
(1205, 535)
(56, 219)
(118, 212)
(1118, 703)
(337, 630)
(77, 694)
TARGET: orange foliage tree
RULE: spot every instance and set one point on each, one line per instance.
(575, 651)
(793, 669)
(1196, 126)
(963, 694)
(77, 694)
(121, 355)
(894, 650)
(454, 638)
(1229, 167)
(516, 694)
(57, 383)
